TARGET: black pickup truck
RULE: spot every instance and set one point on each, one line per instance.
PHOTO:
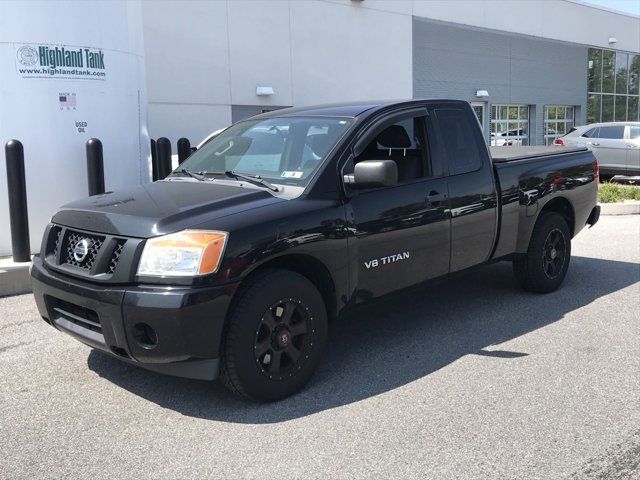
(234, 264)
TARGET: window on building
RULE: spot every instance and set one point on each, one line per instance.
(594, 70)
(613, 82)
(593, 108)
(509, 125)
(478, 109)
(558, 120)
(620, 110)
(632, 108)
(634, 74)
(622, 72)
(608, 71)
(607, 108)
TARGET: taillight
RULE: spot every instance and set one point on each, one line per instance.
(558, 141)
(596, 170)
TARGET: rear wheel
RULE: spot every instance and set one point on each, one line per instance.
(543, 268)
(275, 336)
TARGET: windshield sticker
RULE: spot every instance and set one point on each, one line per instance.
(291, 174)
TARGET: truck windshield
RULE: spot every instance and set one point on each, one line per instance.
(284, 150)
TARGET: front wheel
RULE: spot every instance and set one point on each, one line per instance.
(275, 336)
(543, 268)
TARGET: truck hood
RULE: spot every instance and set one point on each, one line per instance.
(159, 208)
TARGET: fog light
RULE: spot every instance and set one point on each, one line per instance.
(145, 336)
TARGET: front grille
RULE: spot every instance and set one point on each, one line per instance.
(115, 256)
(55, 236)
(71, 241)
(103, 253)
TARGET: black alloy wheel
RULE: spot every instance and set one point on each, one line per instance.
(274, 337)
(543, 268)
(554, 253)
(283, 338)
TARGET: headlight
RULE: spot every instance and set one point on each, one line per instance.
(184, 254)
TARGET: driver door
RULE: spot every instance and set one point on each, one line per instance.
(402, 232)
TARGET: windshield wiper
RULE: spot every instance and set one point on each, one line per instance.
(197, 175)
(256, 179)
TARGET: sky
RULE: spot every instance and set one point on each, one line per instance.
(627, 6)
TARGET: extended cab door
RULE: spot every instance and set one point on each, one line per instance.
(457, 142)
(401, 232)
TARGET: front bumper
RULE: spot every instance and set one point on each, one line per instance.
(173, 330)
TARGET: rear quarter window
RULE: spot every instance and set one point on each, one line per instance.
(458, 136)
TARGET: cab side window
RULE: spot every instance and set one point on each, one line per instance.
(591, 133)
(458, 137)
(614, 131)
(402, 142)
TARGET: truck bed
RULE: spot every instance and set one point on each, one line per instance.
(510, 153)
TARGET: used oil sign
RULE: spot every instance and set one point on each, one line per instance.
(57, 61)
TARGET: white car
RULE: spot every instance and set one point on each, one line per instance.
(508, 138)
(616, 145)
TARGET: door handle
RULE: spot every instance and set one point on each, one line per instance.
(434, 197)
(595, 144)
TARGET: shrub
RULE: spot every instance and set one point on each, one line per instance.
(613, 192)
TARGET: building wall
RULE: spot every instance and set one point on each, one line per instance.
(452, 61)
(204, 57)
(565, 20)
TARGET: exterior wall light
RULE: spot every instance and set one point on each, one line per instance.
(612, 40)
(264, 91)
(482, 93)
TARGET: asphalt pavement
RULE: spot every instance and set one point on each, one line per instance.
(471, 378)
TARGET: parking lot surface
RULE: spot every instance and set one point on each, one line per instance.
(470, 378)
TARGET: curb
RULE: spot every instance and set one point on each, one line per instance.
(14, 277)
(621, 208)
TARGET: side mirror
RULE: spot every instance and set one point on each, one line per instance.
(373, 173)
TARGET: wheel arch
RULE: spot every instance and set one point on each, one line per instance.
(563, 207)
(306, 265)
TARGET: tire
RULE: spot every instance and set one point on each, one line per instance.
(277, 314)
(543, 268)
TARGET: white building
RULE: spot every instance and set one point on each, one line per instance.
(531, 68)
(205, 60)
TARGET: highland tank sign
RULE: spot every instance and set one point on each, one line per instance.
(66, 78)
(58, 61)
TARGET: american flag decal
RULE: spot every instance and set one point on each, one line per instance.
(67, 100)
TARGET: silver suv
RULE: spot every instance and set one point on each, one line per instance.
(616, 145)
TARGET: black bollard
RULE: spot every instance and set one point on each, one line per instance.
(184, 149)
(95, 167)
(154, 161)
(163, 151)
(18, 215)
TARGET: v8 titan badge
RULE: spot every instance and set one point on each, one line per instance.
(396, 257)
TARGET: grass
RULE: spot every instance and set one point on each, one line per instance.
(614, 192)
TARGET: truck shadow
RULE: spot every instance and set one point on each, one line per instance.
(394, 342)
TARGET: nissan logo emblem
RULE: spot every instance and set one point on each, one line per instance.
(81, 249)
